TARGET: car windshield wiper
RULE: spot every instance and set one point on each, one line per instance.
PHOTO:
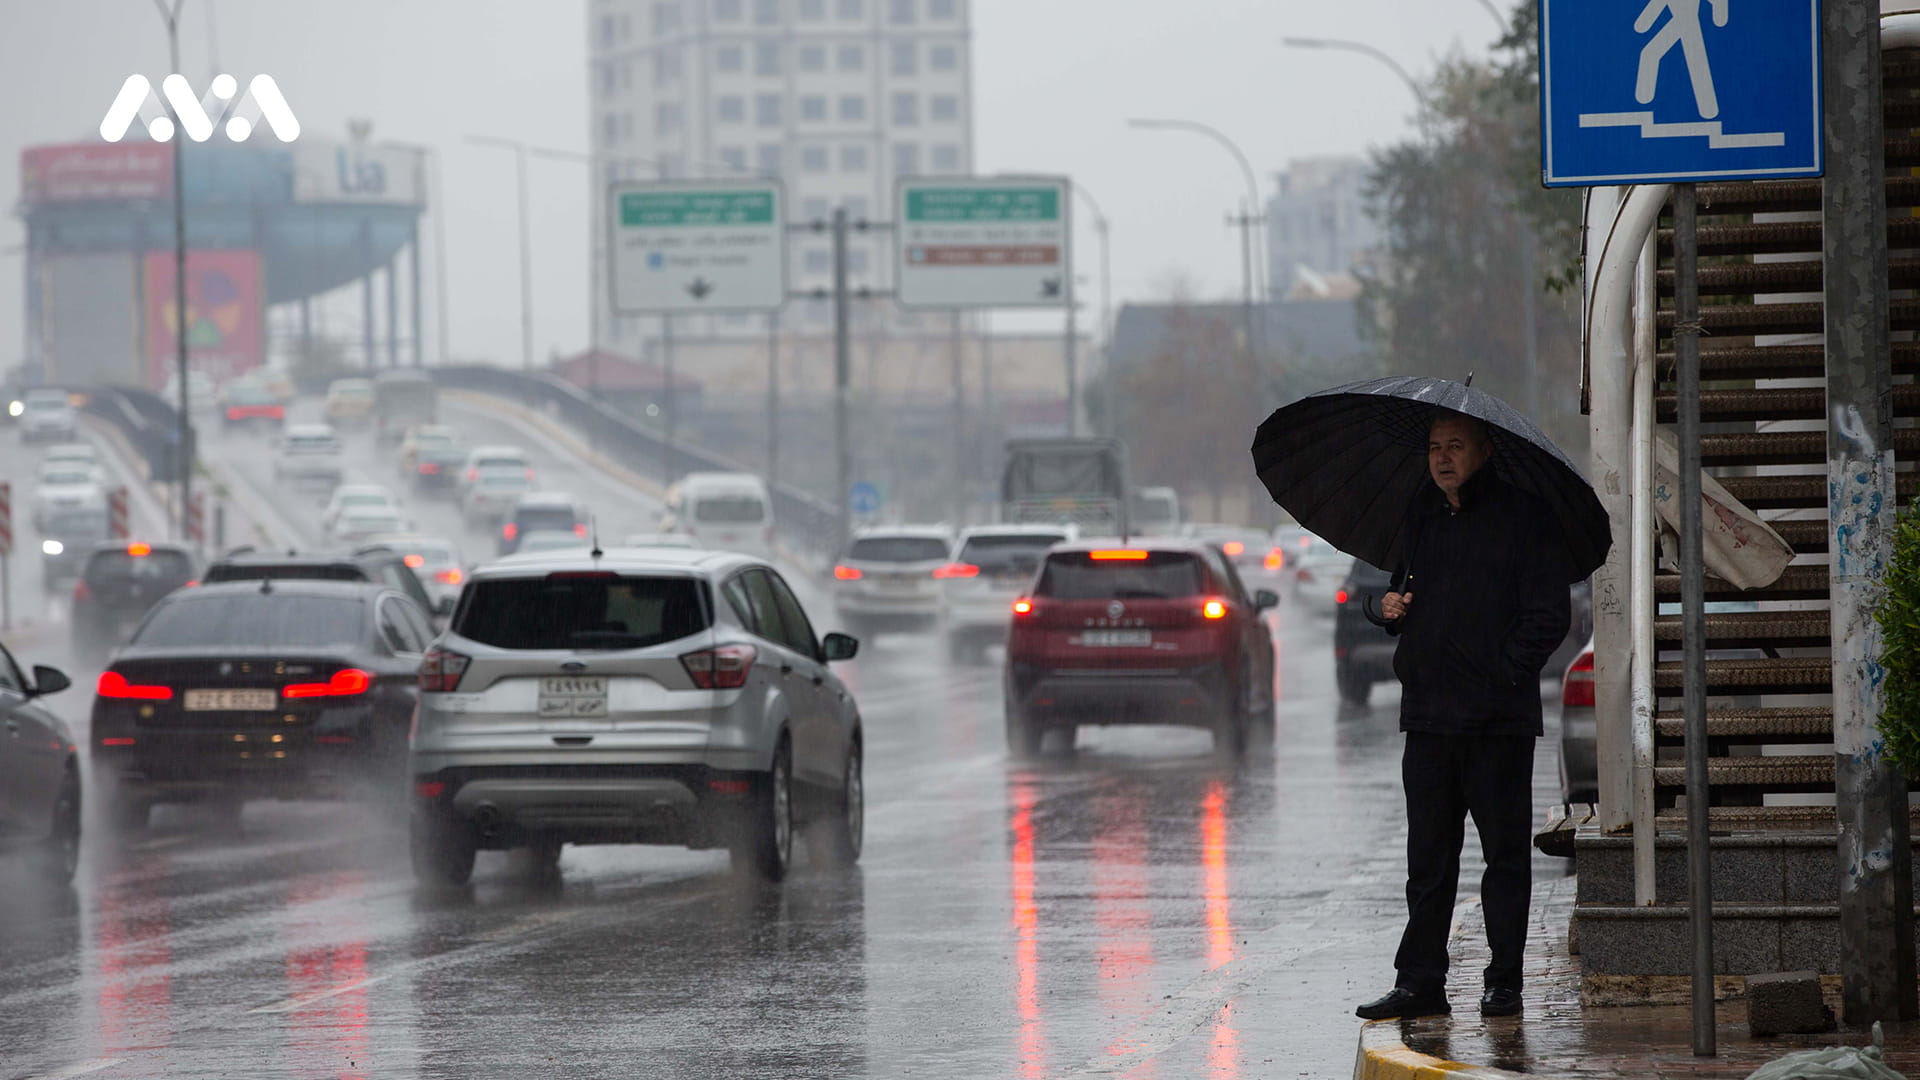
(606, 639)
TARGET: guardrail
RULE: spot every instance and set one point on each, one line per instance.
(805, 521)
(150, 425)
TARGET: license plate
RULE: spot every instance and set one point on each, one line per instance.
(1100, 639)
(573, 695)
(231, 700)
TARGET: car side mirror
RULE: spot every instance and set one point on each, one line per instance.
(49, 680)
(839, 646)
(1264, 599)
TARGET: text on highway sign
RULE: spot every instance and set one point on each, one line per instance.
(710, 245)
(1001, 242)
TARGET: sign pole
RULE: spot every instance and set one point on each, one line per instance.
(1693, 602)
(183, 459)
(842, 364)
(667, 454)
(959, 421)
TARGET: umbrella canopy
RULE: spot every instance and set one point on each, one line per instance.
(1348, 462)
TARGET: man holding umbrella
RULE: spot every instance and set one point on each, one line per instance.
(1485, 532)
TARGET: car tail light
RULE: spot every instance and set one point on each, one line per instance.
(510, 530)
(1340, 596)
(1023, 606)
(1127, 555)
(449, 577)
(334, 740)
(1276, 559)
(415, 562)
(1232, 548)
(113, 684)
(723, 667)
(529, 476)
(846, 573)
(1213, 608)
(580, 530)
(730, 787)
(81, 592)
(275, 412)
(429, 468)
(956, 570)
(1577, 689)
(345, 683)
(429, 789)
(117, 740)
(139, 550)
(472, 475)
(440, 670)
(233, 413)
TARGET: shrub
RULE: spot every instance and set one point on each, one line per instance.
(1899, 619)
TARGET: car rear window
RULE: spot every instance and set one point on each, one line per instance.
(500, 462)
(82, 523)
(729, 509)
(286, 572)
(898, 549)
(1077, 575)
(312, 443)
(1021, 552)
(254, 620)
(118, 565)
(66, 477)
(500, 479)
(249, 395)
(556, 518)
(585, 611)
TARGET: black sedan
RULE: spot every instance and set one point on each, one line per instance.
(119, 583)
(259, 690)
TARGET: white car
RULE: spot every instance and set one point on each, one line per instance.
(357, 525)
(71, 453)
(494, 459)
(993, 565)
(659, 540)
(66, 486)
(493, 493)
(1316, 576)
(726, 511)
(308, 452)
(47, 414)
(202, 395)
(357, 497)
(885, 579)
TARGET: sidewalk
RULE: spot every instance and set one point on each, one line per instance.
(1558, 1037)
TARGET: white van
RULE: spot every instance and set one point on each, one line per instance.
(722, 510)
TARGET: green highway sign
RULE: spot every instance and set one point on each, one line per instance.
(677, 247)
(983, 242)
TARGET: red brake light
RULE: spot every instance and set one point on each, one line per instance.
(510, 530)
(957, 570)
(724, 667)
(117, 740)
(276, 412)
(580, 531)
(473, 474)
(345, 683)
(112, 684)
(415, 562)
(1214, 608)
(1340, 596)
(440, 670)
(846, 573)
(1129, 555)
(1023, 606)
(234, 412)
(429, 789)
(1276, 559)
(430, 468)
(529, 476)
(449, 577)
(80, 590)
(1233, 547)
(1577, 689)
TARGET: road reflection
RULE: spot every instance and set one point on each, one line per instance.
(1122, 914)
(1026, 928)
(326, 968)
(1223, 1058)
(132, 957)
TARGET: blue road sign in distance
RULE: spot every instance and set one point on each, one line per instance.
(863, 498)
(1635, 91)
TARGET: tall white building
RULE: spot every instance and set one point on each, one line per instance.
(1318, 221)
(836, 97)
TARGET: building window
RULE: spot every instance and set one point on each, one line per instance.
(766, 12)
(672, 166)
(667, 118)
(770, 158)
(626, 73)
(607, 30)
(819, 261)
(815, 210)
(813, 109)
(729, 58)
(813, 159)
(608, 78)
(726, 10)
(812, 10)
(906, 56)
(766, 110)
(943, 108)
(609, 128)
(856, 260)
(943, 57)
(853, 158)
(853, 58)
(766, 58)
(946, 158)
(852, 10)
(626, 125)
(730, 109)
(853, 108)
(906, 110)
(734, 157)
(941, 10)
(906, 159)
(902, 12)
(666, 66)
(666, 18)
(813, 58)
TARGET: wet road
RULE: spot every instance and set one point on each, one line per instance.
(1138, 907)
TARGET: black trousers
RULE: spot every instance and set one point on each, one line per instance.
(1448, 777)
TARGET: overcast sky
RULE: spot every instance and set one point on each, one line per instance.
(1055, 81)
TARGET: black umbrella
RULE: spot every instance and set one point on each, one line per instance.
(1347, 462)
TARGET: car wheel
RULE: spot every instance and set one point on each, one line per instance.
(848, 825)
(767, 849)
(1230, 724)
(1354, 686)
(1260, 722)
(62, 853)
(443, 850)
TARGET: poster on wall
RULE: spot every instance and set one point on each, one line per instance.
(225, 321)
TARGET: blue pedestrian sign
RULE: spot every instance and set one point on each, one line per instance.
(1678, 90)
(863, 498)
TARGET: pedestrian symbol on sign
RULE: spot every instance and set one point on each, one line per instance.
(1682, 29)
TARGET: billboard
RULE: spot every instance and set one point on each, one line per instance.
(89, 171)
(226, 332)
(345, 172)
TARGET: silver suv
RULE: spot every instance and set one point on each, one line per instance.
(655, 696)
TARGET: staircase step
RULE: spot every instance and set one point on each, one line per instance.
(1785, 447)
(1795, 318)
(1806, 536)
(1757, 819)
(1798, 583)
(1752, 629)
(1734, 361)
(1798, 492)
(1751, 723)
(1809, 772)
(1790, 237)
(1789, 675)
(1805, 276)
(1775, 403)
(1779, 196)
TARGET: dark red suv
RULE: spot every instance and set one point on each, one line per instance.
(1161, 632)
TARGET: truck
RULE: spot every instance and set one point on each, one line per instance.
(1079, 482)
(402, 399)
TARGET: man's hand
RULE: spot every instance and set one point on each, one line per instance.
(1393, 605)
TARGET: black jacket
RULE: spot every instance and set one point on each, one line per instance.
(1489, 585)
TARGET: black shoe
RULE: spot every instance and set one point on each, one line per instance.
(1500, 1001)
(1402, 1002)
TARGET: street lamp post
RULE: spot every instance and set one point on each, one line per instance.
(183, 460)
(1247, 221)
(1106, 299)
(526, 258)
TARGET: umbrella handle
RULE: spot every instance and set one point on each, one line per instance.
(1366, 608)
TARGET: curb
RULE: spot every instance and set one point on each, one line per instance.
(1384, 1057)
